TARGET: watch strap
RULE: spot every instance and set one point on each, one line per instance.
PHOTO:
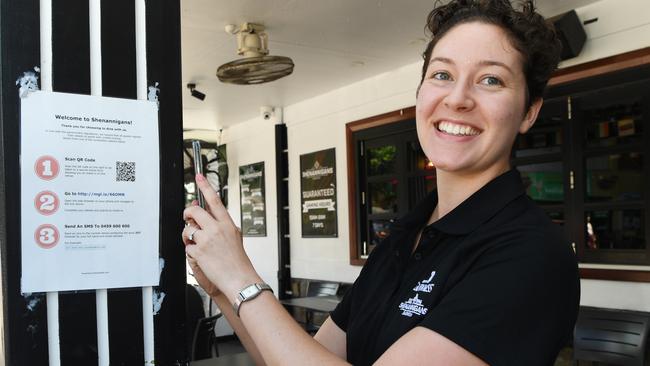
(249, 293)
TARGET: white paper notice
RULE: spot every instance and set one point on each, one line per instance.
(89, 192)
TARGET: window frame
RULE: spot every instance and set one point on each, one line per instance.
(574, 91)
(353, 133)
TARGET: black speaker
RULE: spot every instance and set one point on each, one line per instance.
(570, 31)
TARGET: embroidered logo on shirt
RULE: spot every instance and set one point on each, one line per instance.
(413, 306)
(425, 285)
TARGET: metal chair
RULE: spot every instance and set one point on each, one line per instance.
(616, 337)
(318, 288)
(204, 340)
(194, 311)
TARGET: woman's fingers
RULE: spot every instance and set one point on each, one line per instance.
(215, 205)
(190, 251)
(201, 217)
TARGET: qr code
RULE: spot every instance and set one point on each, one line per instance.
(125, 171)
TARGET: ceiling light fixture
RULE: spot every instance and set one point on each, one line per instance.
(195, 93)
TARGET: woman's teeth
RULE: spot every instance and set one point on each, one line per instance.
(456, 129)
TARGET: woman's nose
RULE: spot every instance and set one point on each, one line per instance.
(459, 97)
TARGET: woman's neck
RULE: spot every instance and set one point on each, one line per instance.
(455, 188)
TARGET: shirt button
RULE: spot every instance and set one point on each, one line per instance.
(417, 256)
(397, 253)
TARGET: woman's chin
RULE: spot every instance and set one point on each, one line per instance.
(449, 166)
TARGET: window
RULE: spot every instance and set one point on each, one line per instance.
(391, 174)
(583, 162)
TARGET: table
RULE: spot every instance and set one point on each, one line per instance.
(237, 359)
(323, 304)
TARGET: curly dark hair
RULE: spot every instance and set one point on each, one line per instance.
(529, 33)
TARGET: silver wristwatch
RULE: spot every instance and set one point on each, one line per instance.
(249, 293)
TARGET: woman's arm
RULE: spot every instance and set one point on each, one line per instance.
(218, 251)
(422, 346)
(332, 338)
(329, 335)
(238, 327)
(227, 311)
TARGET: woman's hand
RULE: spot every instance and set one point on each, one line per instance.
(197, 273)
(216, 247)
(203, 281)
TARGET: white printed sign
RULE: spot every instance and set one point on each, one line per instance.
(89, 192)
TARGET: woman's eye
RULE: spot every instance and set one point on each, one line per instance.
(491, 80)
(441, 75)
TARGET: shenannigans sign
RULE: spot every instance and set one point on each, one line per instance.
(89, 192)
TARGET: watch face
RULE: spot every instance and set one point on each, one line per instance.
(248, 291)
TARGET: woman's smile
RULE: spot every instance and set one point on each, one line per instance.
(456, 128)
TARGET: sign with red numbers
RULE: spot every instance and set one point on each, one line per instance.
(89, 192)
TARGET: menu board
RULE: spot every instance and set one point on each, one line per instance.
(89, 192)
(318, 194)
(253, 206)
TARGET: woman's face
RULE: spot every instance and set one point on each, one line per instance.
(471, 104)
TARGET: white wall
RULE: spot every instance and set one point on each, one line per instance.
(319, 123)
(251, 142)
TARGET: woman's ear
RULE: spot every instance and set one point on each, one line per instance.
(531, 115)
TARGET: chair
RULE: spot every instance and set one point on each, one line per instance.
(318, 288)
(204, 340)
(194, 311)
(617, 337)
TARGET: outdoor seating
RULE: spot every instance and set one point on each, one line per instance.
(615, 337)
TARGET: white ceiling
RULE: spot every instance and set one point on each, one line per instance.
(326, 40)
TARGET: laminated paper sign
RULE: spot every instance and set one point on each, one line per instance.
(89, 192)
(253, 205)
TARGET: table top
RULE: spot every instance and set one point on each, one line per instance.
(315, 303)
(237, 359)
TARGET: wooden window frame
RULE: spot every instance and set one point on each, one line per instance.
(353, 196)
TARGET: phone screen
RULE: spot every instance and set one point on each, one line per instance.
(198, 169)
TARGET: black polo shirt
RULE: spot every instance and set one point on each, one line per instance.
(494, 275)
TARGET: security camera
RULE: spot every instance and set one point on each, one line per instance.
(267, 112)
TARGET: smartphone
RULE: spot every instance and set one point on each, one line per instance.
(198, 169)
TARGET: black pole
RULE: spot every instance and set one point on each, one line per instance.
(282, 184)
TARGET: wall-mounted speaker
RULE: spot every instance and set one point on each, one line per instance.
(570, 31)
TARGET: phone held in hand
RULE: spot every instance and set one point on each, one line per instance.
(198, 169)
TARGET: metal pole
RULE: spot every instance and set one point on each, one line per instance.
(52, 298)
(141, 82)
(101, 295)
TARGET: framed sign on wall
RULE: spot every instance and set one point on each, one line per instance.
(318, 194)
(252, 199)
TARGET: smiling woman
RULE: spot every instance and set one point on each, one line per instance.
(476, 273)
